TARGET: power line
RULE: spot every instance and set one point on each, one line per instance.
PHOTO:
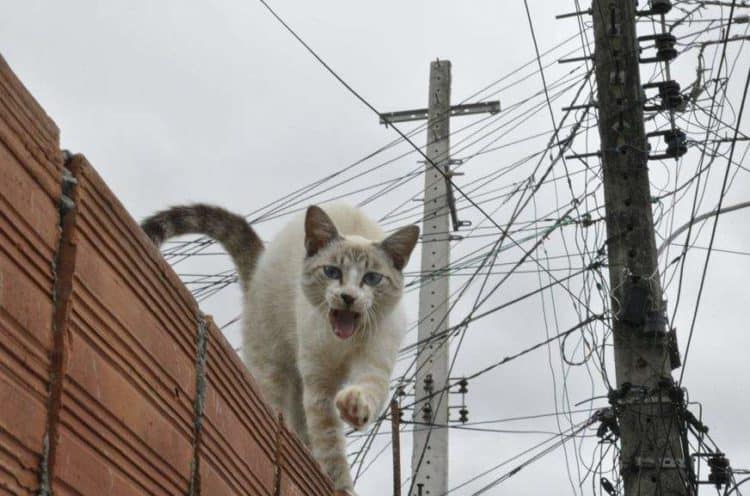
(715, 224)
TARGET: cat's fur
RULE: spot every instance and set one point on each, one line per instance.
(313, 360)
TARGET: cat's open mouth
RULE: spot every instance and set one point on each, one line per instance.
(344, 322)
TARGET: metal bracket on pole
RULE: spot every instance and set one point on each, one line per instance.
(583, 155)
(574, 14)
(580, 107)
(455, 110)
(575, 59)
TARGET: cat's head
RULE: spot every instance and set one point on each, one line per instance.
(354, 281)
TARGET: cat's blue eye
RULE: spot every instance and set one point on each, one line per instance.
(372, 278)
(332, 272)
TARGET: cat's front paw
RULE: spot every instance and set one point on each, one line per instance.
(353, 406)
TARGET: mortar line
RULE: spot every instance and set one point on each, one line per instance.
(201, 355)
(63, 269)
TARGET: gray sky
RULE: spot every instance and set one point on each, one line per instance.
(184, 101)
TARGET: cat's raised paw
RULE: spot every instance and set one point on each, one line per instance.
(353, 406)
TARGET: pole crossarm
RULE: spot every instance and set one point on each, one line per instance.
(455, 111)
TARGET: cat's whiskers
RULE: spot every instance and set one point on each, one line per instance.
(368, 322)
(322, 331)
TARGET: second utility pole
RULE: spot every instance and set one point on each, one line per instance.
(430, 434)
(430, 446)
(647, 402)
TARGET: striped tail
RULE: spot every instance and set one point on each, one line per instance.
(230, 230)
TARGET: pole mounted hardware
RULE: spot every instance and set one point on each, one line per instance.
(608, 429)
(636, 302)
(656, 324)
(575, 59)
(573, 14)
(669, 95)
(455, 110)
(675, 361)
(583, 155)
(656, 7)
(640, 310)
(664, 44)
(676, 142)
(429, 384)
(463, 411)
(607, 486)
(720, 470)
(582, 106)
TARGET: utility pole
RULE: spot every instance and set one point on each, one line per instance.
(648, 404)
(396, 442)
(430, 445)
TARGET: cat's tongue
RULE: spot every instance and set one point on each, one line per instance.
(344, 323)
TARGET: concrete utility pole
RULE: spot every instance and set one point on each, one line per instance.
(430, 447)
(647, 402)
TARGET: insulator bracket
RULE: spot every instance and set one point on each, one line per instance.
(669, 95)
(656, 7)
(676, 142)
(664, 44)
(721, 472)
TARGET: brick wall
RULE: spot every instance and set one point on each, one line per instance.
(111, 380)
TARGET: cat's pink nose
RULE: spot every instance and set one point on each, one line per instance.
(348, 299)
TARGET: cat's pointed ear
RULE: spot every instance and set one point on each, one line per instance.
(319, 230)
(400, 244)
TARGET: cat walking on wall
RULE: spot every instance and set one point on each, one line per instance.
(322, 318)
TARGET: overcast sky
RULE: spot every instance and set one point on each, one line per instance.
(185, 101)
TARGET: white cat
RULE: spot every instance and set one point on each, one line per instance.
(322, 319)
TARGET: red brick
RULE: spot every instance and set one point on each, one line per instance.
(229, 378)
(289, 488)
(130, 422)
(29, 212)
(22, 424)
(216, 481)
(29, 234)
(133, 252)
(126, 324)
(30, 109)
(28, 133)
(21, 413)
(25, 320)
(240, 435)
(31, 167)
(81, 469)
(299, 468)
(238, 447)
